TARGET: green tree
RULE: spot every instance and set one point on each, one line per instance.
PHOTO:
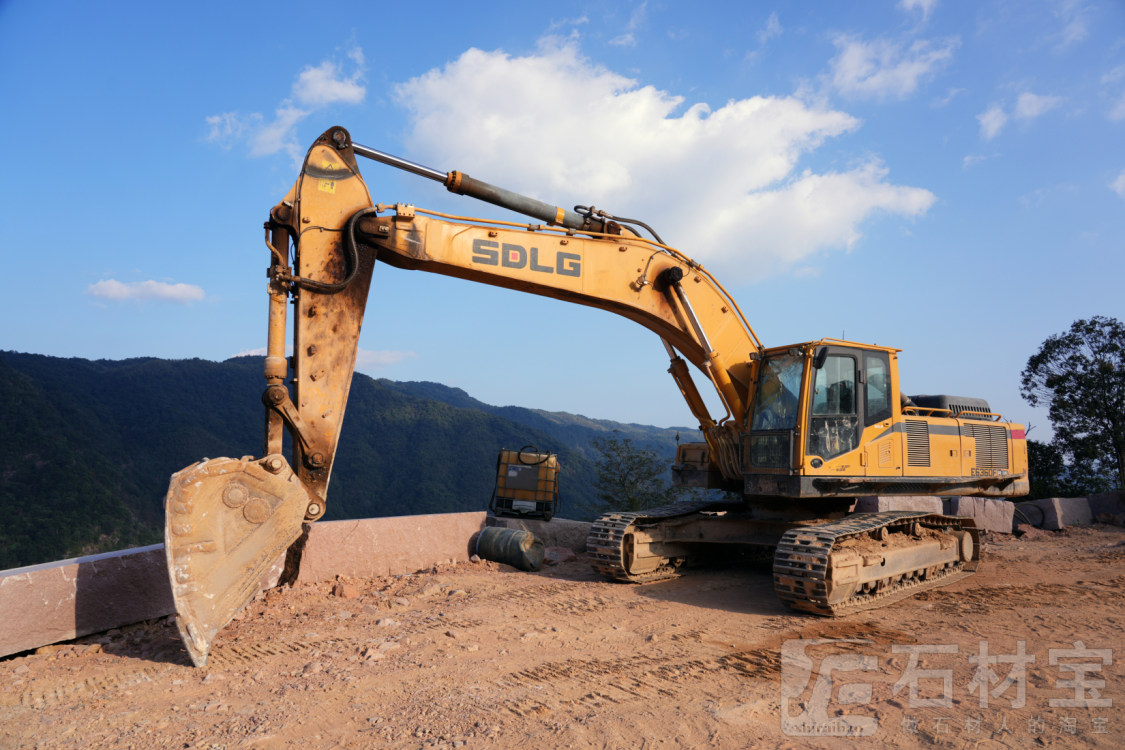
(630, 477)
(1079, 376)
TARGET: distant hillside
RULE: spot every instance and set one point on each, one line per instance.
(88, 446)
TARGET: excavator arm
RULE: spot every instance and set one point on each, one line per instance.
(228, 520)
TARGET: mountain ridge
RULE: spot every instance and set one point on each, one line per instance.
(89, 446)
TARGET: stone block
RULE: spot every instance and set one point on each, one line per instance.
(558, 532)
(44, 604)
(1029, 512)
(1060, 512)
(989, 514)
(374, 547)
(1111, 503)
(58, 601)
(880, 503)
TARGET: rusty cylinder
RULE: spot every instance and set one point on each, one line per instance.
(515, 547)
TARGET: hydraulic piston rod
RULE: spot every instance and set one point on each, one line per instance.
(463, 184)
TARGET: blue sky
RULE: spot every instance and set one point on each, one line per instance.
(943, 177)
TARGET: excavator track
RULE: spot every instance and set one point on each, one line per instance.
(803, 575)
(608, 538)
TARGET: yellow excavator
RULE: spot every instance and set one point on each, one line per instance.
(807, 427)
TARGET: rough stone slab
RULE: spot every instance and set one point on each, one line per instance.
(1112, 503)
(387, 546)
(989, 514)
(1030, 513)
(1060, 512)
(881, 503)
(53, 602)
(558, 532)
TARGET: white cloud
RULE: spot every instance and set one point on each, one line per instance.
(722, 183)
(949, 97)
(323, 85)
(371, 359)
(116, 291)
(992, 121)
(1072, 15)
(926, 6)
(1029, 106)
(564, 23)
(628, 39)
(828, 208)
(1113, 79)
(280, 134)
(882, 69)
(231, 127)
(316, 87)
(972, 160)
(1118, 185)
(1117, 111)
(771, 29)
(1114, 76)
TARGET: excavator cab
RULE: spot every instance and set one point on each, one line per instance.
(827, 420)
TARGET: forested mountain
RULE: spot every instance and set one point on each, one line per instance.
(87, 447)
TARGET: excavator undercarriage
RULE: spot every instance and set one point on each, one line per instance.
(825, 567)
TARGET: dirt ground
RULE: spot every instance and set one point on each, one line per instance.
(1026, 653)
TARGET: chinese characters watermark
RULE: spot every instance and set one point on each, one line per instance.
(827, 682)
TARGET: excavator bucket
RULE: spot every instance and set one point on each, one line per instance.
(227, 521)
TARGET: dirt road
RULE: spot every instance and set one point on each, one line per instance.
(1026, 653)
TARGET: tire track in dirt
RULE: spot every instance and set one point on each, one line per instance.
(568, 598)
(631, 679)
(984, 599)
(42, 697)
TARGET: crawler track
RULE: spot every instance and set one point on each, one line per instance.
(607, 538)
(801, 562)
(800, 569)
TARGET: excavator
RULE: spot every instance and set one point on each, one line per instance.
(807, 427)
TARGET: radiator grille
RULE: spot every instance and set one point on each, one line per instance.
(917, 443)
(992, 445)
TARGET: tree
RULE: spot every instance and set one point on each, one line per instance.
(630, 477)
(1079, 376)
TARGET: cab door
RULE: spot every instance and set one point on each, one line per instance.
(850, 400)
(835, 405)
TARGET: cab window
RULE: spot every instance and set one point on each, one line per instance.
(775, 403)
(834, 391)
(834, 420)
(878, 389)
